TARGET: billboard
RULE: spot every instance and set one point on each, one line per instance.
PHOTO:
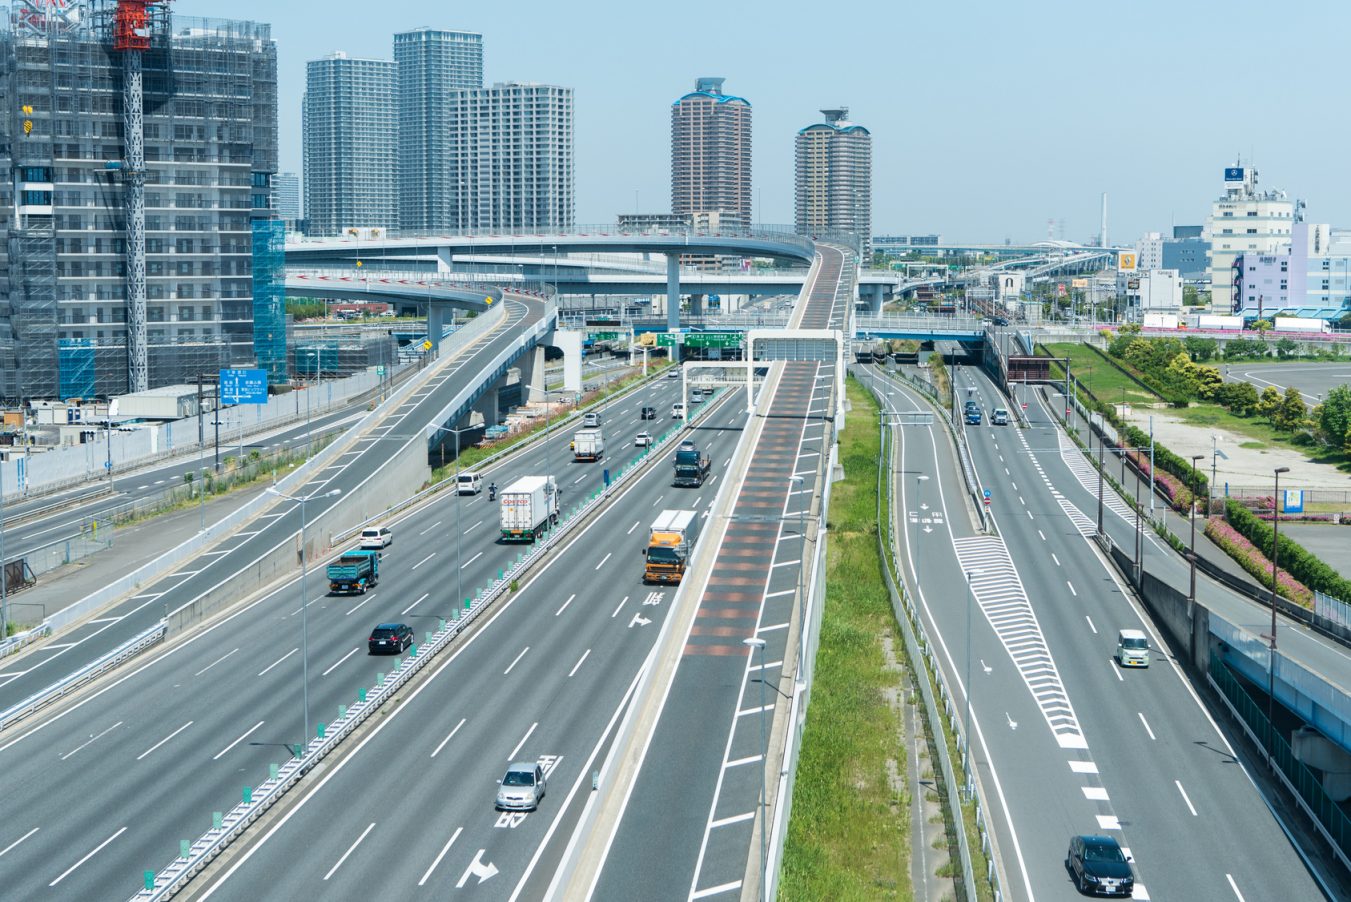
(1125, 261)
(1078, 283)
(1233, 173)
(243, 386)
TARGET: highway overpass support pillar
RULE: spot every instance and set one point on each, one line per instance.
(696, 305)
(876, 297)
(570, 343)
(436, 324)
(531, 365)
(486, 406)
(672, 292)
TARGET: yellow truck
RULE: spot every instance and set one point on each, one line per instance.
(670, 542)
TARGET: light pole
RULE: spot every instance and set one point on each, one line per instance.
(1275, 570)
(459, 567)
(969, 604)
(304, 611)
(201, 502)
(756, 643)
(920, 479)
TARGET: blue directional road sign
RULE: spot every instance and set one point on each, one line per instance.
(243, 386)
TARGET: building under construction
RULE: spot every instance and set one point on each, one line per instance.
(77, 297)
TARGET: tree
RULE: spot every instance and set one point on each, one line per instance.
(1262, 326)
(1241, 348)
(1286, 347)
(1209, 381)
(1201, 349)
(1269, 403)
(1180, 375)
(1239, 398)
(1334, 415)
(1291, 412)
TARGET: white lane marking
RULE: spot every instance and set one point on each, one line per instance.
(1083, 767)
(1230, 877)
(430, 528)
(621, 604)
(1071, 585)
(214, 663)
(414, 604)
(1029, 516)
(749, 711)
(160, 743)
(512, 756)
(1042, 534)
(353, 610)
(740, 761)
(772, 628)
(565, 604)
(278, 661)
(30, 833)
(632, 528)
(604, 559)
(1095, 793)
(92, 739)
(784, 592)
(1090, 624)
(1021, 501)
(350, 850)
(1190, 806)
(770, 666)
(471, 560)
(92, 853)
(1146, 723)
(517, 661)
(340, 660)
(716, 890)
(442, 854)
(479, 523)
(423, 561)
(733, 819)
(579, 479)
(584, 656)
(1108, 822)
(441, 745)
(1056, 559)
(246, 734)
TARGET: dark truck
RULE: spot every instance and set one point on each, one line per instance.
(691, 466)
(354, 572)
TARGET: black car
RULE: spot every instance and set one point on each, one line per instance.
(1099, 867)
(391, 638)
(649, 413)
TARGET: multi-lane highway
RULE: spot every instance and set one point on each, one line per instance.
(108, 787)
(1065, 741)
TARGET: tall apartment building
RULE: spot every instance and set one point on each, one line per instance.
(1244, 221)
(286, 198)
(430, 64)
(711, 154)
(510, 149)
(210, 131)
(833, 163)
(350, 135)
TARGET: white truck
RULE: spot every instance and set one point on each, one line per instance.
(1301, 324)
(1214, 321)
(588, 444)
(1160, 321)
(529, 506)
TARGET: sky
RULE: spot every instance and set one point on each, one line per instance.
(988, 118)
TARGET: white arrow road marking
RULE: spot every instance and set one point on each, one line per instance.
(985, 667)
(478, 869)
(1013, 724)
(638, 620)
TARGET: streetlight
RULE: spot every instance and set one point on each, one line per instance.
(201, 502)
(755, 642)
(1275, 569)
(459, 567)
(920, 479)
(969, 604)
(304, 608)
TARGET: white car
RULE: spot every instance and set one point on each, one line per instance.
(377, 537)
(642, 440)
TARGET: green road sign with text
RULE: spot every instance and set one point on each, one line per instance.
(667, 339)
(713, 340)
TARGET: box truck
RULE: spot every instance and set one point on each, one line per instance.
(529, 506)
(670, 542)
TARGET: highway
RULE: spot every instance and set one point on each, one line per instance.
(1066, 742)
(411, 809)
(107, 787)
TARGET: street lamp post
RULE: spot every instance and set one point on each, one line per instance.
(304, 610)
(459, 567)
(920, 479)
(756, 643)
(1275, 570)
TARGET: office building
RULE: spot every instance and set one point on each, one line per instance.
(1311, 278)
(286, 198)
(349, 131)
(711, 154)
(1188, 252)
(1244, 221)
(431, 64)
(511, 158)
(210, 139)
(1149, 252)
(901, 245)
(833, 163)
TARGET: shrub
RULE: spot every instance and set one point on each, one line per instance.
(1304, 566)
(1256, 563)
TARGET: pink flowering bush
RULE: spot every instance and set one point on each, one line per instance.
(1255, 562)
(1179, 496)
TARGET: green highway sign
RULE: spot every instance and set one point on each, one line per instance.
(605, 336)
(667, 339)
(713, 340)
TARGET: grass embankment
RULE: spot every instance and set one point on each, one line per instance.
(849, 837)
(942, 381)
(1103, 380)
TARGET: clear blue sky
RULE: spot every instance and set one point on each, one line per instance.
(988, 118)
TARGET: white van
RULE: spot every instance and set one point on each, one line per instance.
(1132, 648)
(590, 420)
(377, 537)
(469, 484)
(677, 411)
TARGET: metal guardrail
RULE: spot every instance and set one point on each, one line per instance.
(64, 686)
(254, 804)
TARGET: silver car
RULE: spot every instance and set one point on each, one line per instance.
(522, 788)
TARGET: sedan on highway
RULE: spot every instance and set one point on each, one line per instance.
(1099, 867)
(390, 638)
(642, 440)
(522, 788)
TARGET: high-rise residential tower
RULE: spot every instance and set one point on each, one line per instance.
(711, 154)
(1244, 221)
(286, 197)
(834, 166)
(210, 138)
(350, 134)
(510, 152)
(431, 64)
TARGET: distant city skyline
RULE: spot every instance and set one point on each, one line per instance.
(976, 136)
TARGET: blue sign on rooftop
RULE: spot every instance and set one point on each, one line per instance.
(243, 386)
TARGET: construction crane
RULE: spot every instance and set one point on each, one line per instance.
(133, 25)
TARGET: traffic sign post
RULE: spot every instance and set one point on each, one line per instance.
(987, 497)
(721, 340)
(242, 387)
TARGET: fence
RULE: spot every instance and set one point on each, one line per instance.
(1332, 610)
(1331, 821)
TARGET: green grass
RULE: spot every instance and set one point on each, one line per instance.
(849, 836)
(1260, 433)
(1103, 380)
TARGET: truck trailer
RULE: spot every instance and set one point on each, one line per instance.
(588, 445)
(691, 466)
(529, 506)
(670, 543)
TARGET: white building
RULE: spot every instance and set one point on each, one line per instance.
(1149, 251)
(1160, 291)
(1243, 221)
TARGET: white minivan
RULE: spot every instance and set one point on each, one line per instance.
(677, 411)
(1132, 648)
(469, 484)
(377, 537)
